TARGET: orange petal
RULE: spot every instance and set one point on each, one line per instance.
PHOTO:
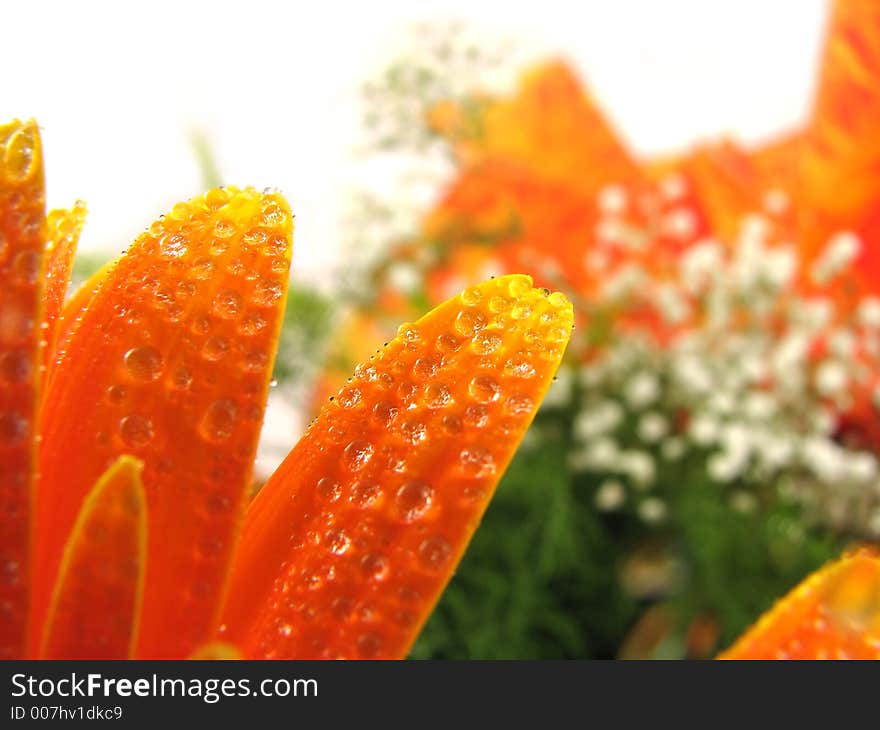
(171, 362)
(554, 128)
(94, 607)
(22, 234)
(834, 614)
(64, 229)
(842, 150)
(347, 548)
(72, 312)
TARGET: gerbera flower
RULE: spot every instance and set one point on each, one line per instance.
(125, 461)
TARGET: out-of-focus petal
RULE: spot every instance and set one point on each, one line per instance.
(22, 237)
(834, 614)
(216, 650)
(347, 548)
(842, 148)
(171, 362)
(97, 598)
(553, 128)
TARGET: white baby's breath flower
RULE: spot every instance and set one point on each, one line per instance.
(642, 390)
(672, 448)
(868, 312)
(653, 510)
(652, 427)
(704, 430)
(610, 495)
(831, 378)
(639, 467)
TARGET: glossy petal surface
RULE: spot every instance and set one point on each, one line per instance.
(64, 229)
(171, 362)
(22, 236)
(97, 598)
(348, 546)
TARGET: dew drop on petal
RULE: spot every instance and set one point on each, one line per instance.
(375, 566)
(219, 420)
(143, 363)
(357, 454)
(434, 552)
(484, 389)
(413, 500)
(136, 429)
(329, 489)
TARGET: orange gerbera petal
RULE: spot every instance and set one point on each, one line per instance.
(348, 546)
(64, 229)
(834, 614)
(98, 594)
(842, 148)
(171, 362)
(554, 128)
(22, 234)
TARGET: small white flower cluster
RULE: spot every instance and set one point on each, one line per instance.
(737, 374)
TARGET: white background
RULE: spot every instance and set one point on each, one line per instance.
(117, 86)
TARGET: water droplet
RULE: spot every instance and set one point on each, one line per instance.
(19, 160)
(476, 461)
(173, 246)
(329, 489)
(426, 367)
(415, 431)
(558, 299)
(484, 389)
(369, 646)
(251, 324)
(499, 304)
(349, 397)
(519, 367)
(485, 343)
(26, 267)
(338, 541)
(469, 322)
(117, 394)
(520, 286)
(413, 500)
(385, 412)
(519, 404)
(227, 304)
(471, 296)
(434, 552)
(224, 229)
(215, 348)
(182, 377)
(144, 363)
(219, 420)
(15, 366)
(136, 429)
(267, 292)
(365, 494)
(13, 427)
(520, 311)
(357, 454)
(255, 362)
(476, 416)
(273, 215)
(447, 343)
(437, 395)
(202, 269)
(375, 566)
